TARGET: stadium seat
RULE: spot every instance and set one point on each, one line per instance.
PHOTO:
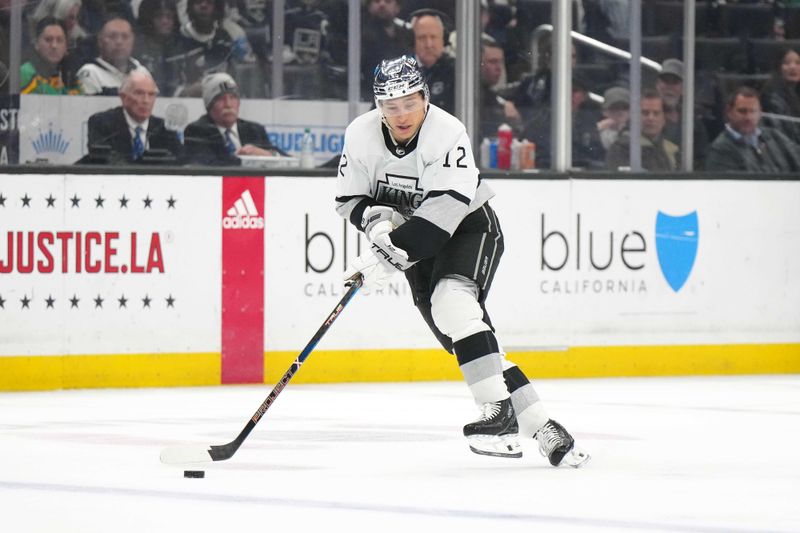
(655, 47)
(791, 17)
(720, 53)
(764, 53)
(727, 83)
(533, 13)
(599, 76)
(751, 20)
(667, 17)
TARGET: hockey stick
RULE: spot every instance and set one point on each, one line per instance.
(203, 454)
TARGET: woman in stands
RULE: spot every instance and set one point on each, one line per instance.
(157, 42)
(46, 72)
(781, 95)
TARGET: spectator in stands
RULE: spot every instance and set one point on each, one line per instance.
(104, 75)
(207, 46)
(486, 18)
(744, 146)
(533, 91)
(616, 14)
(616, 113)
(81, 45)
(94, 13)
(249, 13)
(234, 14)
(658, 154)
(587, 149)
(307, 33)
(47, 72)
(316, 37)
(781, 95)
(447, 7)
(669, 85)
(130, 133)
(157, 42)
(382, 35)
(430, 28)
(219, 136)
(249, 22)
(495, 110)
(497, 19)
(67, 12)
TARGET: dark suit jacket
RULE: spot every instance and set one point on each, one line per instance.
(205, 145)
(109, 128)
(776, 153)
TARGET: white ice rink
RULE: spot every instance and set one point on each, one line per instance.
(668, 454)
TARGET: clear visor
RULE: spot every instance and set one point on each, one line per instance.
(402, 106)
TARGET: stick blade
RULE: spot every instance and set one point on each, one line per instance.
(186, 454)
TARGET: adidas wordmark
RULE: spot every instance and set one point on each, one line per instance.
(243, 214)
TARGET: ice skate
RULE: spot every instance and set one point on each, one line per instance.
(558, 446)
(495, 432)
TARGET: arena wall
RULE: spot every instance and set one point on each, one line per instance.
(129, 281)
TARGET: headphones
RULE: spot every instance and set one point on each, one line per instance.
(443, 18)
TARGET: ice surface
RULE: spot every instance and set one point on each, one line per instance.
(710, 454)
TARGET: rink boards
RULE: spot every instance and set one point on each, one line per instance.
(178, 280)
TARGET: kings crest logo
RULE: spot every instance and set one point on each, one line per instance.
(50, 142)
(401, 192)
(676, 245)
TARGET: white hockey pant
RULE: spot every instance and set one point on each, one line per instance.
(458, 314)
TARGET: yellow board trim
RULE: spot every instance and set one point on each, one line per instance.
(335, 366)
(24, 373)
(344, 366)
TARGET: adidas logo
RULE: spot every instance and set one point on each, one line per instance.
(243, 214)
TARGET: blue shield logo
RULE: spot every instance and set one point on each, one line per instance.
(676, 245)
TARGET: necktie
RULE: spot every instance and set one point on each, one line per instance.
(138, 146)
(230, 146)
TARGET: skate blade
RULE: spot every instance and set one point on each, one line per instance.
(575, 458)
(495, 445)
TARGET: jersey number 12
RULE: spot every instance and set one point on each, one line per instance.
(458, 161)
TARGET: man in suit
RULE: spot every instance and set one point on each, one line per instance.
(220, 136)
(747, 146)
(130, 133)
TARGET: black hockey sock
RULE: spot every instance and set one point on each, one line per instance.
(515, 378)
(480, 362)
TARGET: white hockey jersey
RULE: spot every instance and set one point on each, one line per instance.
(432, 181)
(102, 78)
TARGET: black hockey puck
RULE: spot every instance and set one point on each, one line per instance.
(194, 473)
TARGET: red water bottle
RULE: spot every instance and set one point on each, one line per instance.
(504, 138)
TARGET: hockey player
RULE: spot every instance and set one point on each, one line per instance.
(408, 180)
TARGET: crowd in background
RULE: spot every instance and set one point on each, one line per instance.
(90, 46)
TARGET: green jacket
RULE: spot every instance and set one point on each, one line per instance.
(37, 77)
(658, 154)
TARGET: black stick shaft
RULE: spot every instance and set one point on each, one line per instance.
(226, 451)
